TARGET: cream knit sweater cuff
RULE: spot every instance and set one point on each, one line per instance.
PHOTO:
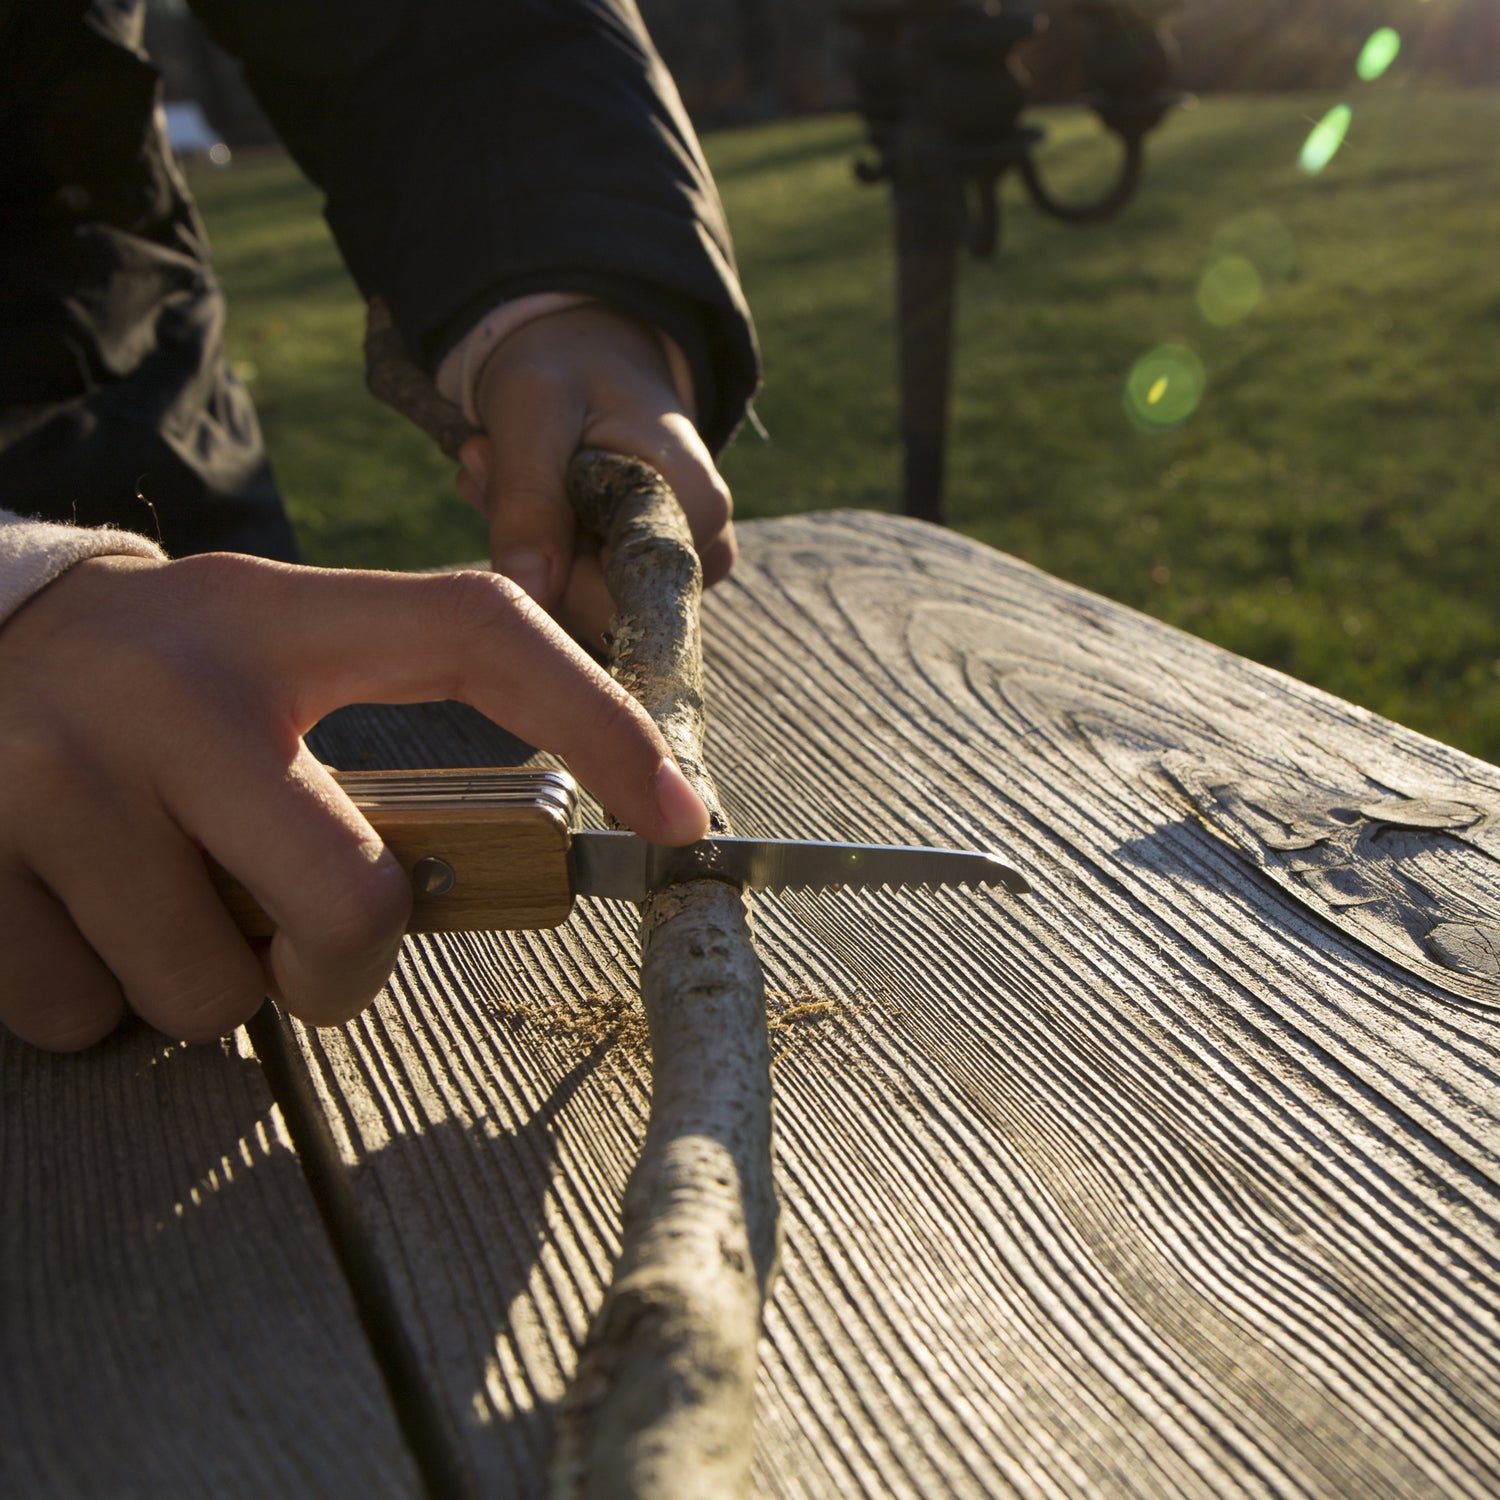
(33, 553)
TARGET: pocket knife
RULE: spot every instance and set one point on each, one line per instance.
(490, 849)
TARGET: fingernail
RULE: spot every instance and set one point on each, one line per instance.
(529, 569)
(681, 808)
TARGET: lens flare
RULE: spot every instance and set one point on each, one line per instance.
(1164, 387)
(1261, 238)
(1326, 138)
(1229, 290)
(1378, 53)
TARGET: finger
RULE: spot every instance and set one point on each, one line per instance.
(586, 607)
(719, 558)
(672, 446)
(138, 893)
(666, 440)
(686, 464)
(339, 899)
(474, 467)
(535, 416)
(351, 637)
(54, 991)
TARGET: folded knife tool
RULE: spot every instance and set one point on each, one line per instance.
(489, 849)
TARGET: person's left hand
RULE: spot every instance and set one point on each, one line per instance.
(582, 377)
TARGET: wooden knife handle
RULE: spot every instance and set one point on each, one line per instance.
(508, 868)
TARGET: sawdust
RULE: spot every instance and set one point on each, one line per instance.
(601, 1017)
(616, 1018)
(806, 1011)
(810, 1013)
(595, 1016)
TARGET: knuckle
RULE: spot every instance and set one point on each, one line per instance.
(482, 615)
(618, 717)
(475, 604)
(525, 511)
(523, 495)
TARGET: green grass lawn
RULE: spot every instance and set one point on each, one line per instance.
(1331, 506)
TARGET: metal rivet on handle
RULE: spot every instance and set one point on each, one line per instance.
(432, 876)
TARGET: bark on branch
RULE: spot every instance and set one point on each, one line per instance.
(396, 379)
(663, 1402)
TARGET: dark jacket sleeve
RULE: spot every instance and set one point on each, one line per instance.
(472, 150)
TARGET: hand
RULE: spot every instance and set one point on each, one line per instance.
(582, 377)
(153, 713)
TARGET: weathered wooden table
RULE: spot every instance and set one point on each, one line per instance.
(1177, 1178)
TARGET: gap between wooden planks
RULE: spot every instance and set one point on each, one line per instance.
(172, 1323)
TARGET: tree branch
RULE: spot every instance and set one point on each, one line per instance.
(400, 382)
(664, 1399)
(663, 1402)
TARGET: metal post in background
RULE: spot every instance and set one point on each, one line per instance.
(942, 104)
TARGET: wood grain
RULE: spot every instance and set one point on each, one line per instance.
(171, 1321)
(1180, 1176)
(1177, 1178)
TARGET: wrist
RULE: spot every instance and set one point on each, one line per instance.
(461, 372)
(34, 553)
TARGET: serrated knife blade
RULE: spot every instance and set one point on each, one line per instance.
(495, 848)
(624, 867)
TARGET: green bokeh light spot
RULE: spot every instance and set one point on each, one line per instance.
(1229, 290)
(1378, 53)
(1326, 138)
(1164, 388)
(1261, 238)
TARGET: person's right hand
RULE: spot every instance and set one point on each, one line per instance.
(153, 712)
